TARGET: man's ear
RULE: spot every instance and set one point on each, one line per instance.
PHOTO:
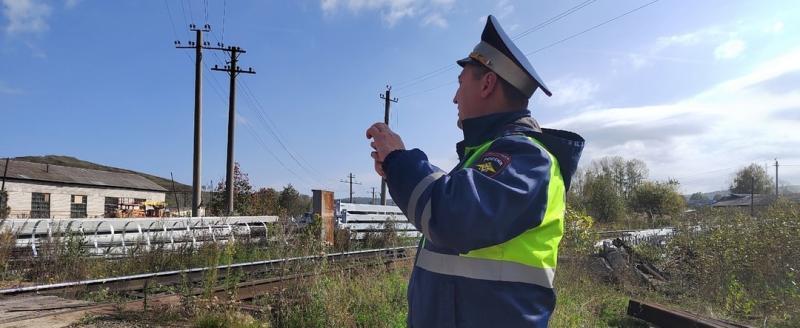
(488, 84)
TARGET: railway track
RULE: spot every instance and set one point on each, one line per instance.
(254, 279)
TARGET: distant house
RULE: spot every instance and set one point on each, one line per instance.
(52, 191)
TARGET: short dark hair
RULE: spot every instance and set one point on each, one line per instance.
(513, 95)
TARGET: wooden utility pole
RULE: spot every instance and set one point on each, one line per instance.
(175, 193)
(752, 192)
(373, 196)
(388, 100)
(3, 200)
(233, 70)
(197, 45)
(351, 177)
(5, 172)
(776, 177)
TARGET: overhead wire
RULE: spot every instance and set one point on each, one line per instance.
(185, 18)
(522, 34)
(191, 11)
(591, 28)
(224, 10)
(205, 3)
(582, 5)
(553, 19)
(265, 120)
(212, 80)
(270, 125)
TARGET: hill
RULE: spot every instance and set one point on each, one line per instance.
(74, 162)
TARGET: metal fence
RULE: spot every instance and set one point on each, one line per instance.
(115, 237)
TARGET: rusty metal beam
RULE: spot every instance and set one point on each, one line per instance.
(664, 317)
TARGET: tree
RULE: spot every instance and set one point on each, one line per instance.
(294, 203)
(4, 209)
(657, 199)
(241, 198)
(602, 199)
(698, 196)
(265, 202)
(752, 178)
(625, 174)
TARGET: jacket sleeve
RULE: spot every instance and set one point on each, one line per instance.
(469, 209)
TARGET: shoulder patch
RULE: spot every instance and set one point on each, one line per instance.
(491, 163)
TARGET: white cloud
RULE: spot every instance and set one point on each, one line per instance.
(72, 3)
(568, 91)
(434, 19)
(5, 89)
(329, 6)
(503, 8)
(394, 11)
(776, 27)
(730, 49)
(26, 16)
(702, 139)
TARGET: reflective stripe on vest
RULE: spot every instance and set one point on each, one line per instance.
(529, 257)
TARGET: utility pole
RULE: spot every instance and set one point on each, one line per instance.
(351, 176)
(752, 192)
(388, 100)
(4, 201)
(197, 45)
(5, 172)
(233, 70)
(776, 178)
(373, 196)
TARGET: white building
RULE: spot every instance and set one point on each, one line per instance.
(52, 191)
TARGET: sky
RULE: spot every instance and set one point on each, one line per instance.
(695, 89)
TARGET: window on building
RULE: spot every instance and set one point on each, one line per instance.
(77, 209)
(40, 205)
(111, 207)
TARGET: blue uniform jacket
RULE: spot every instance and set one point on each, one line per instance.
(471, 209)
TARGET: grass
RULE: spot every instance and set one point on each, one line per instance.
(737, 268)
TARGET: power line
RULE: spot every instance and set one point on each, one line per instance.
(553, 19)
(555, 43)
(272, 128)
(425, 76)
(351, 177)
(224, 9)
(185, 18)
(429, 90)
(523, 34)
(591, 28)
(191, 11)
(218, 91)
(171, 21)
(205, 3)
(262, 115)
(264, 145)
(269, 125)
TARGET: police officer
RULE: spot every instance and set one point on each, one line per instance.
(492, 225)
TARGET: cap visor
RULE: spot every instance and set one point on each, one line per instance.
(462, 62)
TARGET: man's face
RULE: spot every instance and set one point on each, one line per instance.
(467, 98)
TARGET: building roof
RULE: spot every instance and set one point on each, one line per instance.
(18, 170)
(744, 200)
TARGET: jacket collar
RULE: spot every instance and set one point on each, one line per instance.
(484, 128)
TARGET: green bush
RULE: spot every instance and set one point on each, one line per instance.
(579, 238)
(744, 265)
